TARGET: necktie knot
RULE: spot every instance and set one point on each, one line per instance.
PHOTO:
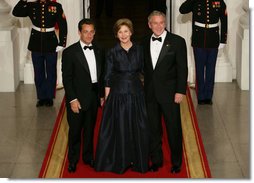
(156, 39)
(88, 47)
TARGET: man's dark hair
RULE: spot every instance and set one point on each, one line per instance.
(85, 21)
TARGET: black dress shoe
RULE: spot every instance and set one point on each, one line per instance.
(154, 168)
(40, 103)
(90, 163)
(209, 102)
(201, 102)
(49, 102)
(175, 169)
(72, 167)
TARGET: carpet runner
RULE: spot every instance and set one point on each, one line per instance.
(195, 164)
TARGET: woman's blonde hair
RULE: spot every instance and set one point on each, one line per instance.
(119, 23)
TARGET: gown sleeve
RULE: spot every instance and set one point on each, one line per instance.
(108, 68)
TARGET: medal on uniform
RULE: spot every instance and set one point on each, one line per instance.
(52, 9)
(216, 4)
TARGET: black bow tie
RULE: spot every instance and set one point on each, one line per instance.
(156, 39)
(89, 47)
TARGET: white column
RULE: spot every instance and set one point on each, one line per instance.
(182, 25)
(9, 62)
(242, 49)
(73, 12)
(224, 70)
(26, 65)
(87, 9)
(23, 26)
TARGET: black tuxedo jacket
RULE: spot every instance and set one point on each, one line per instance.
(170, 73)
(76, 74)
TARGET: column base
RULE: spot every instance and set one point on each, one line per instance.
(223, 71)
(28, 73)
(9, 62)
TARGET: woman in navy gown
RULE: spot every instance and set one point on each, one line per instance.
(123, 136)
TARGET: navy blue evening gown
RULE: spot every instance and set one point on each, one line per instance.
(123, 135)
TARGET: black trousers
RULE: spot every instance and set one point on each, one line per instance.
(172, 118)
(81, 130)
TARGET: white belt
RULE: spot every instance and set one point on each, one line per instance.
(43, 29)
(206, 25)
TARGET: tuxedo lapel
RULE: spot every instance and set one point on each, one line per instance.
(97, 60)
(81, 57)
(165, 48)
(148, 46)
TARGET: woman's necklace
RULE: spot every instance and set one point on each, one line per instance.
(126, 46)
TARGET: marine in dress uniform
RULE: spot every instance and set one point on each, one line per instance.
(207, 37)
(44, 43)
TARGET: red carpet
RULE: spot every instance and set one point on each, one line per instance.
(194, 165)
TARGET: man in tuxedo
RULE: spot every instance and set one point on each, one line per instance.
(165, 82)
(82, 65)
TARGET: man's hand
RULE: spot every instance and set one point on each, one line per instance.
(59, 48)
(30, 1)
(75, 106)
(178, 98)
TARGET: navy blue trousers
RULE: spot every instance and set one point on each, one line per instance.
(205, 62)
(45, 74)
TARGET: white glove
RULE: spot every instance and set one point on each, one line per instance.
(222, 45)
(59, 48)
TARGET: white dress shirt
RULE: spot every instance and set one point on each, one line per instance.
(90, 57)
(155, 47)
